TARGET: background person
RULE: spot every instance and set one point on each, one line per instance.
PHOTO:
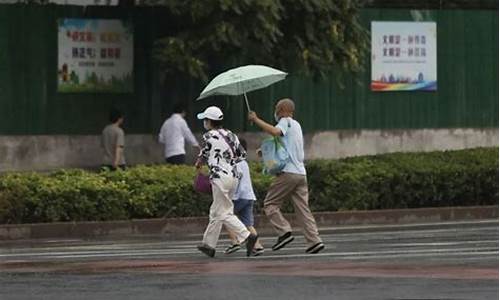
(113, 142)
(174, 133)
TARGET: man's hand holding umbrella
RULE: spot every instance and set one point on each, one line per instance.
(268, 128)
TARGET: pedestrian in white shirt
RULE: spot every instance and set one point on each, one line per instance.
(174, 133)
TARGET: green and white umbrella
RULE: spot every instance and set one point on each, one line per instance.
(241, 80)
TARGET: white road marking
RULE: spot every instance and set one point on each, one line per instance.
(358, 257)
(365, 254)
(467, 243)
(327, 238)
(443, 243)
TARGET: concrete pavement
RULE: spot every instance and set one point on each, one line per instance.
(444, 260)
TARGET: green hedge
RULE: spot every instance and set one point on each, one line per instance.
(399, 180)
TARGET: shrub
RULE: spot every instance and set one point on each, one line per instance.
(398, 180)
(405, 180)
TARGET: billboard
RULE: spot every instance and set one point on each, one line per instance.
(403, 56)
(95, 55)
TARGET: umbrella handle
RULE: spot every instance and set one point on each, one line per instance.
(246, 101)
(248, 105)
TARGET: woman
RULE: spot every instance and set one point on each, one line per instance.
(221, 151)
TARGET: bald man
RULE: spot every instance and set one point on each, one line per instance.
(292, 182)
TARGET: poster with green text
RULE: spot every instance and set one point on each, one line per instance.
(95, 56)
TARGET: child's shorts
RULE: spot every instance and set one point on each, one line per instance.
(243, 208)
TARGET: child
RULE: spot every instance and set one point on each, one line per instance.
(243, 200)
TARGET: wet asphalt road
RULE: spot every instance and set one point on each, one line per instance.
(456, 260)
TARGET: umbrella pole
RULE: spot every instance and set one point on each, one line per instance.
(248, 105)
(246, 101)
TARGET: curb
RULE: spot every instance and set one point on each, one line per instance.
(183, 226)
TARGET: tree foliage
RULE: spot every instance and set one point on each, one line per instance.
(311, 37)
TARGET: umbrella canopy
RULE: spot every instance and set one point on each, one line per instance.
(242, 80)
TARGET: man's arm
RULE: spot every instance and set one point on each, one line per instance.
(161, 135)
(120, 144)
(118, 156)
(188, 135)
(266, 127)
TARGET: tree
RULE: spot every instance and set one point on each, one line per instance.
(312, 37)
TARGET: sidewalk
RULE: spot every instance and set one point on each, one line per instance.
(185, 226)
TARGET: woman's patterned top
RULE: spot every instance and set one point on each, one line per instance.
(222, 154)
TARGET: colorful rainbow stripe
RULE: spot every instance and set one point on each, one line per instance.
(421, 86)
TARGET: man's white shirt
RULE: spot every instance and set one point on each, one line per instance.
(174, 133)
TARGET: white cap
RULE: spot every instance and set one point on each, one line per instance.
(212, 113)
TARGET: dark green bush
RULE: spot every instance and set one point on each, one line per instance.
(398, 180)
(405, 180)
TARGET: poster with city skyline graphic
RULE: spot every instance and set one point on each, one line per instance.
(95, 55)
(403, 56)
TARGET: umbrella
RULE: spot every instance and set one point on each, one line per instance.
(242, 80)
